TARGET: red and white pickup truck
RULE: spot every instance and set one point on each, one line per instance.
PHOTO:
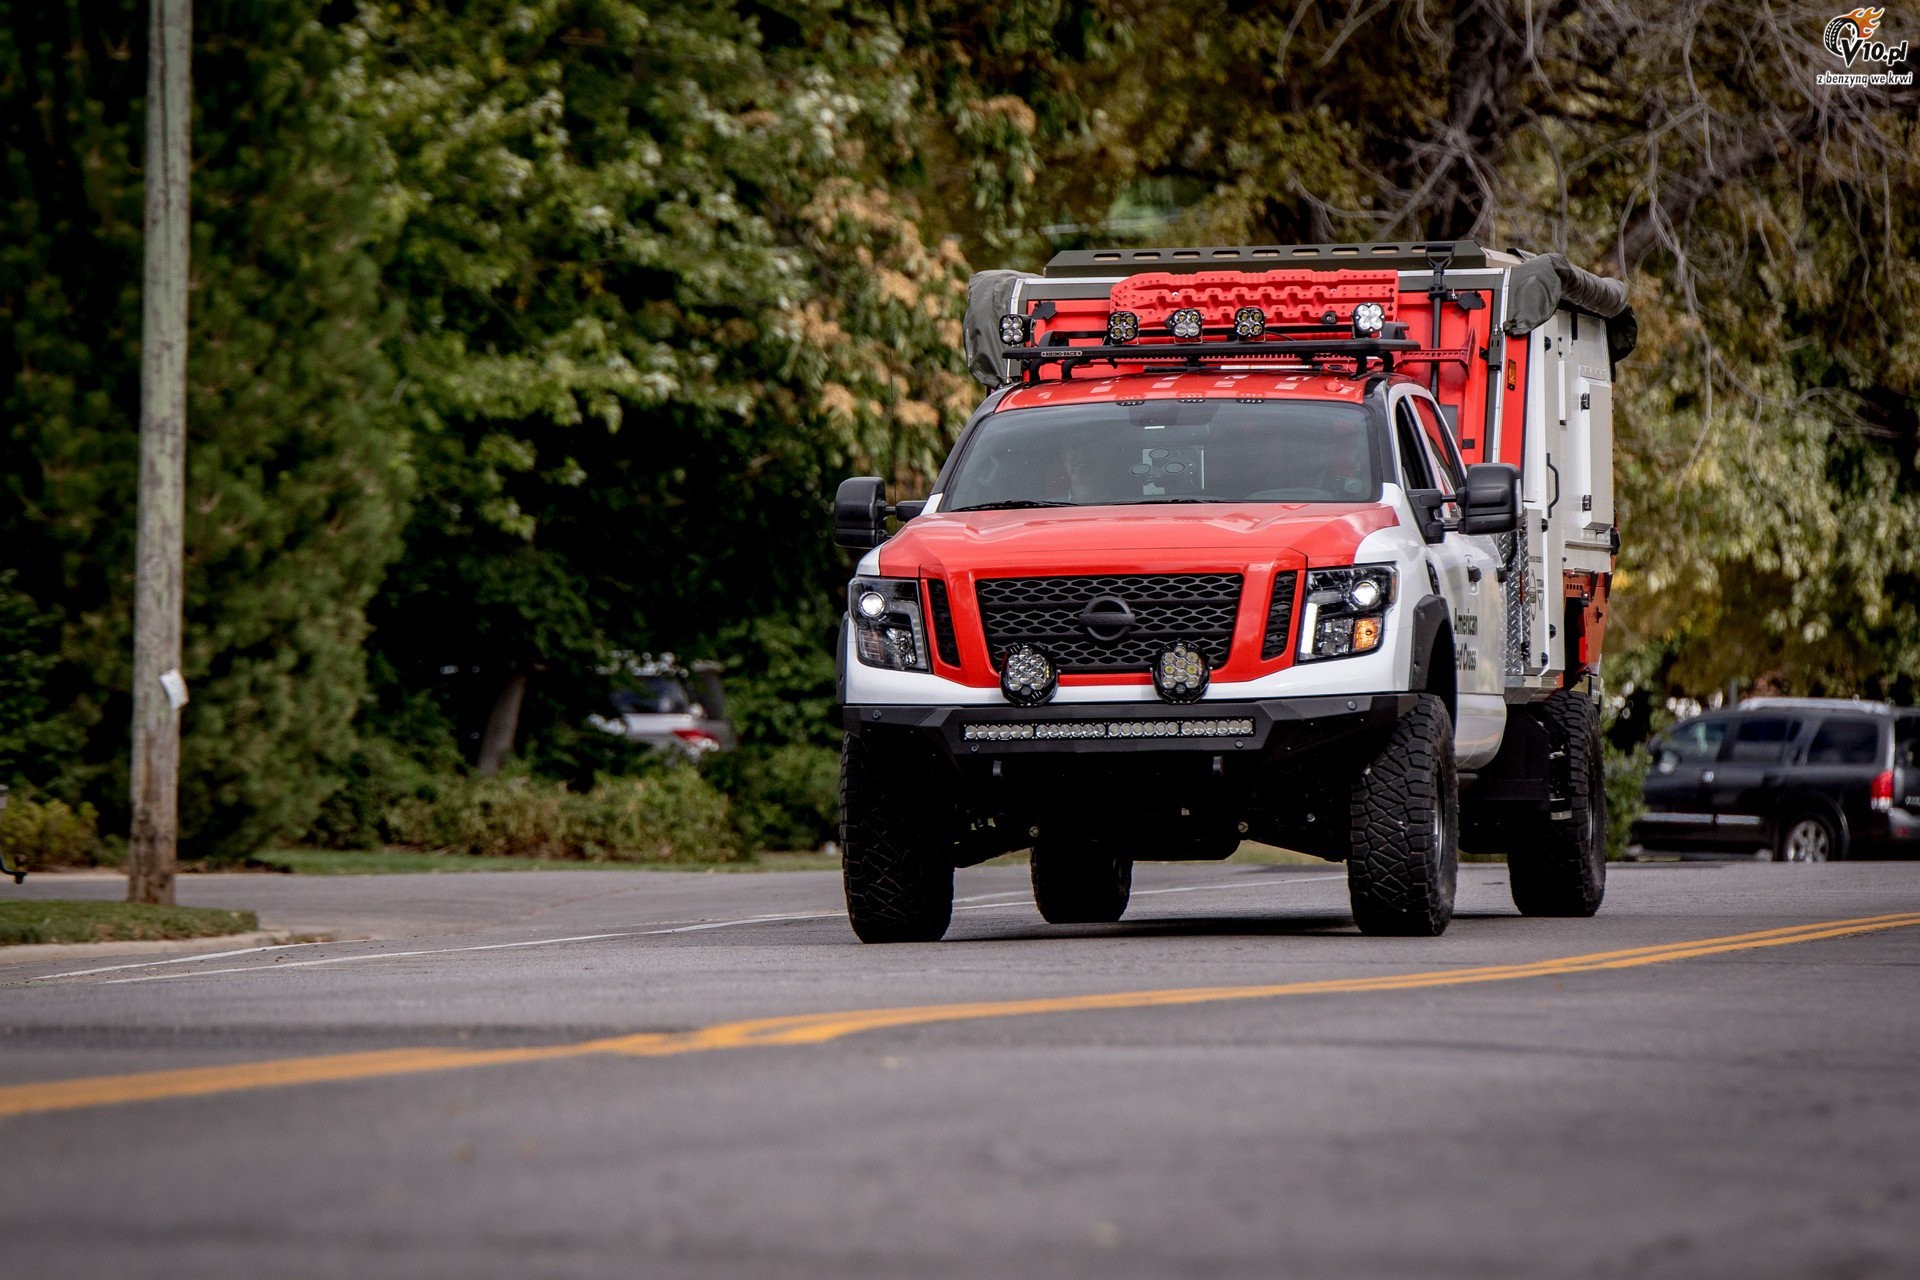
(1302, 544)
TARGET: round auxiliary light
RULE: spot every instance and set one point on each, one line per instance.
(871, 604)
(1016, 331)
(1185, 323)
(1122, 327)
(1249, 322)
(1028, 676)
(1181, 673)
(1367, 319)
(1364, 594)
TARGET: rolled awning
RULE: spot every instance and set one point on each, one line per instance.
(1543, 285)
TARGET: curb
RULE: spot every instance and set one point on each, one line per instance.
(34, 951)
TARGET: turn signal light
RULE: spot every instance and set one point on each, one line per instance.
(1366, 634)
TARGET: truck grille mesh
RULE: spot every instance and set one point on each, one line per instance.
(1199, 607)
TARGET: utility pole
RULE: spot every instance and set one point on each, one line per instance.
(158, 690)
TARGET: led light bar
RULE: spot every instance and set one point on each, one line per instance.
(1191, 727)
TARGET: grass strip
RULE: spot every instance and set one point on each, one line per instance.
(25, 921)
(399, 862)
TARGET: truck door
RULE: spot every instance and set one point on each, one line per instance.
(1480, 615)
(1744, 786)
(1464, 568)
(1675, 790)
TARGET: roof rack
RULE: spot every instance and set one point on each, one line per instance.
(1399, 255)
(1304, 351)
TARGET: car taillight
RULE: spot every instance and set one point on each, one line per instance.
(1882, 793)
(696, 739)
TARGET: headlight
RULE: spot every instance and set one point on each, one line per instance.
(887, 627)
(1346, 611)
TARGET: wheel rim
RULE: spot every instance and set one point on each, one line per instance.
(1807, 841)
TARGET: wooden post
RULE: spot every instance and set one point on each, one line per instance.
(158, 692)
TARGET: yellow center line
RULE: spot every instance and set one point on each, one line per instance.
(818, 1028)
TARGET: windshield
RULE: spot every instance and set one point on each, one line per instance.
(1134, 452)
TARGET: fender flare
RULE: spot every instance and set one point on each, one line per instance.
(1432, 621)
(840, 664)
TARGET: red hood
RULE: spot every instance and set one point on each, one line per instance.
(1151, 539)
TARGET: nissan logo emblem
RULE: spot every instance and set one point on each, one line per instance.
(1107, 618)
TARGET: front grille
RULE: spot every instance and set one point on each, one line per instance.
(1199, 607)
(1279, 617)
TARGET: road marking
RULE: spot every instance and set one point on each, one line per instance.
(203, 955)
(819, 1028)
(975, 903)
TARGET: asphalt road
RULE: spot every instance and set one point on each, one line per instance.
(573, 1074)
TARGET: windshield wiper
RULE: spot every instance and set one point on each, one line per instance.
(1013, 504)
(1166, 502)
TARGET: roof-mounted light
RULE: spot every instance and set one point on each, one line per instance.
(1016, 330)
(1249, 323)
(1368, 318)
(1185, 324)
(1122, 327)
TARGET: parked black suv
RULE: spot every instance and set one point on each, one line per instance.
(1803, 779)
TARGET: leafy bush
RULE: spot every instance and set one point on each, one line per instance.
(50, 833)
(784, 780)
(1626, 770)
(377, 778)
(783, 797)
(673, 816)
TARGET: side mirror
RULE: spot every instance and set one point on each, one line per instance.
(1491, 501)
(860, 513)
(1426, 504)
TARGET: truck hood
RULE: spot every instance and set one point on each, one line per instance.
(1132, 539)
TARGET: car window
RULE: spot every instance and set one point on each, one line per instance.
(657, 695)
(1761, 740)
(1441, 441)
(1907, 743)
(1413, 458)
(1695, 741)
(1846, 742)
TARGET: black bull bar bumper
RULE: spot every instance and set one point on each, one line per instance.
(1267, 727)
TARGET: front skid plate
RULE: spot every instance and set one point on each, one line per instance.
(1288, 724)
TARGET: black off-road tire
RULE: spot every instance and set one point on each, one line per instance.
(1079, 883)
(1558, 867)
(1404, 854)
(897, 866)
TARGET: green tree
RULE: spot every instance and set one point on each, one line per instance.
(295, 480)
(654, 300)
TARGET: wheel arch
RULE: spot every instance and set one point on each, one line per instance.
(1433, 669)
(1793, 803)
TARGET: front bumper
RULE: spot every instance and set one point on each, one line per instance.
(1269, 727)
